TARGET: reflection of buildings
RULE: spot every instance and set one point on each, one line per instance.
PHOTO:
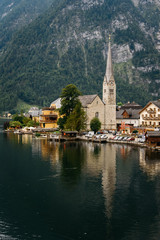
(149, 162)
(101, 161)
(109, 176)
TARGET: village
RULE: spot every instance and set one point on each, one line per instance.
(128, 122)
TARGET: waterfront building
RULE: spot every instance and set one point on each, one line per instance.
(150, 114)
(34, 113)
(128, 115)
(49, 117)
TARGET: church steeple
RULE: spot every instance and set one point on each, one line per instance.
(109, 67)
(109, 93)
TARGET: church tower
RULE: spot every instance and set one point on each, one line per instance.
(109, 94)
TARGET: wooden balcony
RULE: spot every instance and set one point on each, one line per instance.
(151, 111)
(151, 118)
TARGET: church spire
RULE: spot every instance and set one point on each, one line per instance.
(109, 67)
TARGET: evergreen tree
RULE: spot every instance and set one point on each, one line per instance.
(77, 119)
(69, 99)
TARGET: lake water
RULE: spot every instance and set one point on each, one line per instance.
(77, 190)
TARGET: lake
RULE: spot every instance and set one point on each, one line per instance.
(77, 190)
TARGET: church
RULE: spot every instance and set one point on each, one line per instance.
(104, 109)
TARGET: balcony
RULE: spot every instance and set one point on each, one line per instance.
(151, 118)
(151, 111)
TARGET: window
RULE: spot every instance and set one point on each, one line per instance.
(97, 102)
(97, 114)
(104, 90)
(111, 91)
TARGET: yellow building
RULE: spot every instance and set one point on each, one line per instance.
(49, 117)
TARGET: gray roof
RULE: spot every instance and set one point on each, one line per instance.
(87, 99)
(133, 113)
(132, 105)
(157, 103)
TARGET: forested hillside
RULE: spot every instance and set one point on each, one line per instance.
(68, 44)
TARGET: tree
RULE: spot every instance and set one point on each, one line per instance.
(61, 122)
(95, 124)
(69, 99)
(77, 119)
(15, 124)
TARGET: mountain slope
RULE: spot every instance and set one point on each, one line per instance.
(14, 14)
(68, 44)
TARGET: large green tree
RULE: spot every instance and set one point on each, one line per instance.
(95, 124)
(69, 99)
(77, 119)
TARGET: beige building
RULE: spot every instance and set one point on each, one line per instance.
(150, 114)
(104, 109)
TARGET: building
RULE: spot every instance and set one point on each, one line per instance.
(104, 109)
(153, 138)
(128, 115)
(94, 107)
(49, 117)
(150, 114)
(34, 113)
(109, 94)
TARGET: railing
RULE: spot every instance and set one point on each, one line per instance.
(48, 121)
(151, 111)
(151, 118)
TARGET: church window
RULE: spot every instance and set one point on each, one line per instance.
(111, 91)
(104, 90)
(97, 114)
(97, 102)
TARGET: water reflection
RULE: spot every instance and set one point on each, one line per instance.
(109, 177)
(149, 162)
(81, 190)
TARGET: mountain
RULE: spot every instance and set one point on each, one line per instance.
(68, 44)
(15, 14)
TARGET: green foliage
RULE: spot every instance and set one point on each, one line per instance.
(15, 124)
(6, 125)
(43, 57)
(32, 123)
(69, 99)
(61, 122)
(37, 134)
(95, 124)
(77, 119)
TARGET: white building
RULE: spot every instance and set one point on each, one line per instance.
(150, 114)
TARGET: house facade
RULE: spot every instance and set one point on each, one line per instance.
(150, 114)
(128, 115)
(49, 117)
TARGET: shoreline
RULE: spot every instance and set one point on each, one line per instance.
(59, 138)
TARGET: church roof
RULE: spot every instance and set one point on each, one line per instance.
(87, 99)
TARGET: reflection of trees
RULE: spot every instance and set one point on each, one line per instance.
(72, 161)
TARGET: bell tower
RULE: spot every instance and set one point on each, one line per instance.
(109, 94)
